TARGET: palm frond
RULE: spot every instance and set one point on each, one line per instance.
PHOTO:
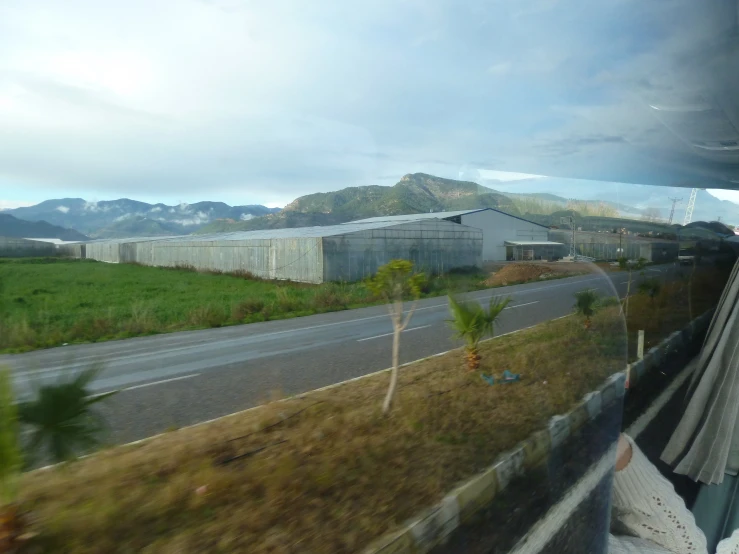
(62, 420)
(586, 302)
(10, 455)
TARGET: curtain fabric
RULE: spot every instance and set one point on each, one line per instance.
(703, 445)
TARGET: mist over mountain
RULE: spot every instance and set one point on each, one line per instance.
(126, 218)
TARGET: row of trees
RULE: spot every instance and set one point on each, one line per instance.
(534, 205)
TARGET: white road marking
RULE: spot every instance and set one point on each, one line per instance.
(522, 305)
(388, 334)
(180, 378)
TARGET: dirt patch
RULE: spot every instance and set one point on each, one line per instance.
(520, 273)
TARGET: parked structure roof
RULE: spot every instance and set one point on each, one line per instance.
(439, 215)
(266, 234)
(532, 243)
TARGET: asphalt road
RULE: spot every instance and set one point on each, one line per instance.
(179, 379)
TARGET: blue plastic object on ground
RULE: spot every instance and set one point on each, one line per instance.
(489, 379)
(509, 377)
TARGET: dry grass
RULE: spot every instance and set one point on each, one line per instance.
(673, 307)
(324, 472)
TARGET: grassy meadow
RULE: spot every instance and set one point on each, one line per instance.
(47, 302)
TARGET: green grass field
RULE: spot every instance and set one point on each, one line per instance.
(47, 302)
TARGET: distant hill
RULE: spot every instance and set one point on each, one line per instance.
(108, 218)
(138, 226)
(13, 227)
(414, 193)
(631, 200)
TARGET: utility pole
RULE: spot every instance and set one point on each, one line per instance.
(691, 207)
(571, 220)
(672, 211)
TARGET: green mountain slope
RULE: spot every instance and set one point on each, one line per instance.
(138, 226)
(414, 193)
(13, 227)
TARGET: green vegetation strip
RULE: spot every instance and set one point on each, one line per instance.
(325, 472)
(47, 302)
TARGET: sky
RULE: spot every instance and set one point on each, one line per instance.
(251, 102)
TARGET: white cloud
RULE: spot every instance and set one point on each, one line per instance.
(156, 209)
(731, 195)
(63, 209)
(91, 206)
(286, 98)
(500, 69)
(495, 175)
(245, 217)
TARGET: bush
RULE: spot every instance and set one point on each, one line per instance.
(241, 310)
(650, 287)
(330, 297)
(287, 302)
(207, 316)
(607, 302)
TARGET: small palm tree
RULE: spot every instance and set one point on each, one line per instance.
(472, 322)
(62, 418)
(586, 304)
(650, 287)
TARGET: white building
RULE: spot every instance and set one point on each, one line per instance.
(504, 236)
(348, 252)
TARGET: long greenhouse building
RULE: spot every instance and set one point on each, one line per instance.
(347, 252)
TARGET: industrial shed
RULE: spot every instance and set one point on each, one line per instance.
(347, 252)
(611, 246)
(498, 229)
(12, 247)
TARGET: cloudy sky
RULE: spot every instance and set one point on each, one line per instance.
(259, 102)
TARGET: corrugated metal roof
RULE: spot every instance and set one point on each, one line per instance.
(265, 234)
(442, 215)
(414, 217)
(128, 239)
(532, 243)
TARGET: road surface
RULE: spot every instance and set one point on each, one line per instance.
(178, 379)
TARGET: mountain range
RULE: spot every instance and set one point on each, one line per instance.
(126, 218)
(631, 200)
(18, 228)
(414, 193)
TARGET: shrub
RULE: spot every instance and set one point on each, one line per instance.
(330, 297)
(586, 304)
(287, 302)
(207, 316)
(650, 287)
(241, 310)
(607, 302)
